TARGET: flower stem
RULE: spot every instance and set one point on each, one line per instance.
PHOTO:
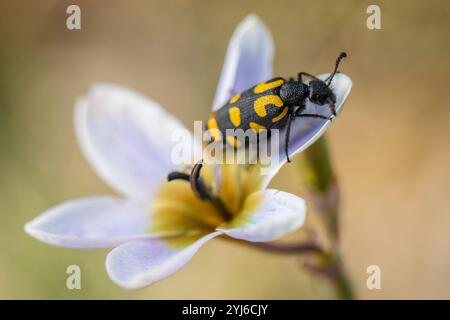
(342, 283)
(329, 267)
(290, 248)
(283, 248)
(320, 179)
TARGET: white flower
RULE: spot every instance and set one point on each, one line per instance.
(155, 227)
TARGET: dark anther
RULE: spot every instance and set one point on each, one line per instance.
(197, 184)
(175, 175)
(200, 189)
(195, 180)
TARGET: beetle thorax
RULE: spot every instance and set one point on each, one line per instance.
(294, 93)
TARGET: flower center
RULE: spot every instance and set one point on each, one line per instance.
(215, 198)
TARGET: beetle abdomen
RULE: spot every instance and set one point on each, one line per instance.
(259, 107)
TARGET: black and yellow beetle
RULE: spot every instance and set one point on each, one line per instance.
(272, 104)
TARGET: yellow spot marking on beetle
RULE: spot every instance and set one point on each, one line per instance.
(268, 85)
(214, 128)
(261, 103)
(235, 116)
(233, 141)
(256, 127)
(235, 98)
(281, 115)
(212, 123)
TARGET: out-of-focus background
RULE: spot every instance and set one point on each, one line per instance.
(391, 146)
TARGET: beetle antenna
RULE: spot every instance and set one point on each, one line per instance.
(338, 60)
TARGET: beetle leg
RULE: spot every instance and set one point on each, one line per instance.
(312, 115)
(301, 74)
(291, 116)
(332, 107)
(299, 110)
(286, 136)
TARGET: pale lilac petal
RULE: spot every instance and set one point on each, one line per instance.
(95, 222)
(267, 215)
(140, 263)
(126, 137)
(248, 60)
(305, 131)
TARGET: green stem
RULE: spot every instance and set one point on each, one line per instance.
(320, 179)
(342, 283)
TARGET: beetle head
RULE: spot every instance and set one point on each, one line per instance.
(320, 93)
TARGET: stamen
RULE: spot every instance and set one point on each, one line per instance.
(204, 193)
(175, 175)
(197, 184)
(200, 189)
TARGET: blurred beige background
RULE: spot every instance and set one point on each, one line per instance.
(391, 145)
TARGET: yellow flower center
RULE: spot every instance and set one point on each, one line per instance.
(177, 210)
